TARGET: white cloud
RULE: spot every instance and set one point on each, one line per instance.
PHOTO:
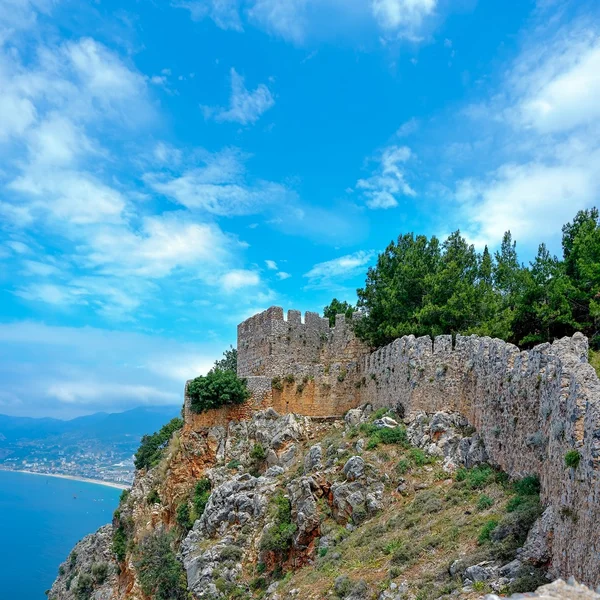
(219, 187)
(271, 264)
(562, 93)
(546, 127)
(49, 293)
(225, 13)
(70, 196)
(344, 267)
(81, 370)
(245, 106)
(238, 279)
(402, 16)
(408, 128)
(285, 19)
(528, 199)
(297, 20)
(162, 244)
(283, 275)
(382, 189)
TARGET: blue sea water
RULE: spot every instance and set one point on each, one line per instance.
(41, 519)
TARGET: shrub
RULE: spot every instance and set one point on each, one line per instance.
(153, 497)
(231, 553)
(395, 435)
(160, 573)
(151, 447)
(419, 458)
(572, 459)
(486, 531)
(124, 496)
(84, 587)
(201, 496)
(215, 389)
(100, 572)
(528, 580)
(258, 452)
(477, 477)
(278, 537)
(528, 486)
(233, 464)
(119, 543)
(184, 518)
(484, 502)
(402, 467)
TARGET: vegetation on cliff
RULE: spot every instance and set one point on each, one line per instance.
(217, 388)
(151, 447)
(422, 286)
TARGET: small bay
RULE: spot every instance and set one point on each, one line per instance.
(41, 519)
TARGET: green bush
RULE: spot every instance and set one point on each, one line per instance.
(119, 543)
(258, 452)
(278, 537)
(84, 587)
(124, 496)
(153, 497)
(152, 446)
(100, 572)
(486, 531)
(160, 574)
(184, 518)
(572, 459)
(484, 502)
(528, 486)
(419, 458)
(228, 362)
(201, 496)
(402, 467)
(233, 464)
(215, 389)
(395, 435)
(477, 477)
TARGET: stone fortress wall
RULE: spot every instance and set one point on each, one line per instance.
(300, 366)
(529, 407)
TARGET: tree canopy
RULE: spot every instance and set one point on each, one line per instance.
(215, 389)
(337, 307)
(422, 286)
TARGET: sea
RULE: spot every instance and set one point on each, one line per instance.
(41, 519)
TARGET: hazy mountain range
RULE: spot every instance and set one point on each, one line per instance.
(99, 445)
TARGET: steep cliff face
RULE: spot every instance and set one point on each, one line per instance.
(284, 506)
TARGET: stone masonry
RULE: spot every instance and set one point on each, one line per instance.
(529, 407)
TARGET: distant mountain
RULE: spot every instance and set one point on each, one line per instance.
(99, 445)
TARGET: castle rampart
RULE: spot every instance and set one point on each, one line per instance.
(529, 407)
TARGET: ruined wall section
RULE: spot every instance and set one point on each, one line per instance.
(271, 346)
(313, 367)
(529, 408)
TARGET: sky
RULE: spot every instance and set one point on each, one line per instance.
(168, 169)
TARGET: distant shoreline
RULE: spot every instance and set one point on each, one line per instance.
(119, 486)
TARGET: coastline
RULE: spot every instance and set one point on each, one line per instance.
(112, 484)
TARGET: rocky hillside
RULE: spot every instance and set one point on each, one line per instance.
(288, 507)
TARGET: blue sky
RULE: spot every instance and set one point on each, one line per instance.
(167, 169)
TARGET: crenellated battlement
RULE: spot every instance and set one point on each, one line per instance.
(270, 345)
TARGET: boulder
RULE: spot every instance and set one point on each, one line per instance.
(354, 468)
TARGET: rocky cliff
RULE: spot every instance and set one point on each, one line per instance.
(283, 506)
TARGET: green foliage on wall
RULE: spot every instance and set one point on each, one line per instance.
(217, 388)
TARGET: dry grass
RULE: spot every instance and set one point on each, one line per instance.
(415, 538)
